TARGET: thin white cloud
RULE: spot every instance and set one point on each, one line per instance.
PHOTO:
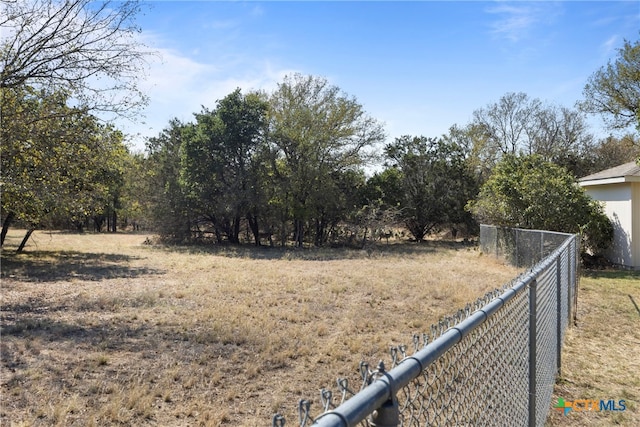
(610, 45)
(222, 24)
(257, 10)
(178, 86)
(172, 73)
(516, 20)
(604, 21)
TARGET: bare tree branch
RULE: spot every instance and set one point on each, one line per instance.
(89, 49)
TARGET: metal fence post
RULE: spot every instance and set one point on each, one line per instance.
(532, 351)
(572, 291)
(574, 259)
(517, 249)
(541, 247)
(559, 311)
(388, 414)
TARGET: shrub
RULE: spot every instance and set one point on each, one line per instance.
(529, 192)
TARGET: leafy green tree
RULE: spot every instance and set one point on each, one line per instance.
(341, 198)
(377, 212)
(470, 140)
(170, 213)
(57, 161)
(529, 192)
(112, 171)
(135, 197)
(317, 133)
(97, 194)
(219, 161)
(290, 161)
(56, 54)
(436, 183)
(385, 187)
(614, 90)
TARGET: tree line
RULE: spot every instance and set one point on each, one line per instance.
(302, 165)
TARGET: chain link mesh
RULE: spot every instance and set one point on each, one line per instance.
(471, 384)
(546, 340)
(522, 248)
(484, 378)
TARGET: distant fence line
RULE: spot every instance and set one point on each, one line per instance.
(522, 248)
(492, 363)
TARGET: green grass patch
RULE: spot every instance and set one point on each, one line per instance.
(600, 358)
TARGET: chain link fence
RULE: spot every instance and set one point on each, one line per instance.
(492, 363)
(522, 248)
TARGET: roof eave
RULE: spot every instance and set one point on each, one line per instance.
(606, 181)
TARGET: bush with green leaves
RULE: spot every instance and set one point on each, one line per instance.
(529, 192)
(597, 233)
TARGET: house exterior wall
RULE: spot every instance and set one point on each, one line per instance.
(619, 207)
(635, 236)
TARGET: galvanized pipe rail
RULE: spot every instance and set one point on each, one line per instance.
(379, 398)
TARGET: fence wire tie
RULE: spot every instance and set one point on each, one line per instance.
(445, 324)
(277, 421)
(343, 385)
(325, 398)
(416, 342)
(394, 355)
(303, 411)
(425, 339)
(403, 350)
(366, 374)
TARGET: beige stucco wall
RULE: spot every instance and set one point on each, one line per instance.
(635, 237)
(619, 207)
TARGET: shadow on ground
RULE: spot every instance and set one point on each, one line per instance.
(372, 250)
(66, 323)
(46, 266)
(613, 274)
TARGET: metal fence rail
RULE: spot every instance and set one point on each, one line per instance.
(492, 363)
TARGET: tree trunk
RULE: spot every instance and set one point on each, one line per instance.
(98, 223)
(5, 226)
(116, 205)
(234, 231)
(255, 229)
(24, 240)
(364, 238)
(299, 233)
(320, 231)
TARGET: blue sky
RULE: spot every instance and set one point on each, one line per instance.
(419, 67)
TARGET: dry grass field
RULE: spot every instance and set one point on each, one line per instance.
(103, 330)
(601, 354)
